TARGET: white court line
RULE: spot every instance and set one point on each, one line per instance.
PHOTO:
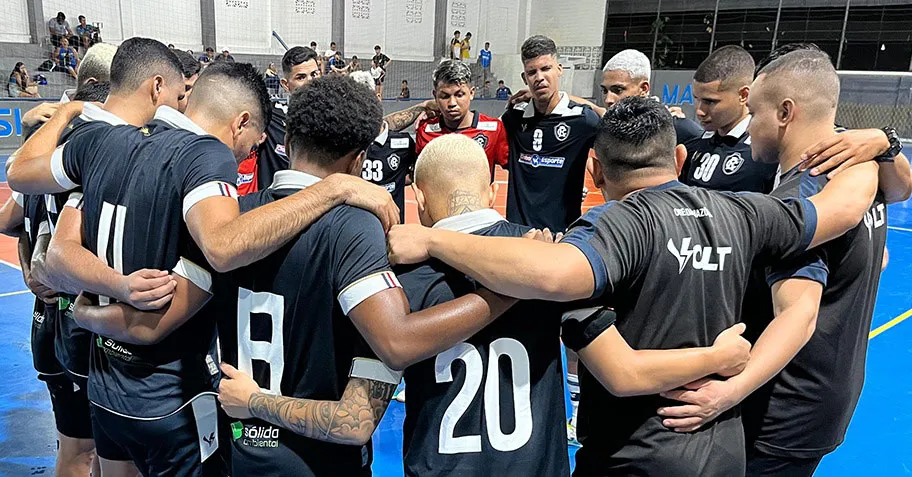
(20, 292)
(17, 267)
(901, 229)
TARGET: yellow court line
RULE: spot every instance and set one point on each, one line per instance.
(890, 324)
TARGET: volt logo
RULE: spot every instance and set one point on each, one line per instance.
(701, 258)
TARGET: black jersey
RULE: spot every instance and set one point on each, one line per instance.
(724, 162)
(494, 404)
(390, 158)
(72, 343)
(139, 186)
(44, 317)
(271, 156)
(674, 262)
(283, 320)
(805, 410)
(547, 165)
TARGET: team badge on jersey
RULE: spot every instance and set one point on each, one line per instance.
(393, 161)
(482, 140)
(562, 131)
(732, 163)
(280, 150)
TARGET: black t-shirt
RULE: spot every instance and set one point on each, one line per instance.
(462, 418)
(547, 165)
(805, 410)
(283, 320)
(381, 60)
(271, 156)
(139, 186)
(44, 317)
(674, 262)
(723, 162)
(390, 158)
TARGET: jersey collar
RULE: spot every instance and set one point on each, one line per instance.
(471, 221)
(174, 118)
(562, 109)
(667, 185)
(739, 130)
(291, 179)
(90, 112)
(381, 139)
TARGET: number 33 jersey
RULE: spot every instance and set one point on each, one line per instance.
(389, 159)
(494, 404)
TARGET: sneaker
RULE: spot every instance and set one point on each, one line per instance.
(571, 435)
(400, 396)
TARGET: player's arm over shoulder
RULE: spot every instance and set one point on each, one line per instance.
(842, 203)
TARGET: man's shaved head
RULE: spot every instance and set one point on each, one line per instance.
(731, 65)
(225, 89)
(806, 76)
(454, 177)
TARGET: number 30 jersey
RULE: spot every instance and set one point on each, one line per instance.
(494, 404)
(724, 162)
(389, 159)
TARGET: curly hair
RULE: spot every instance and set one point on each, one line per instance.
(330, 117)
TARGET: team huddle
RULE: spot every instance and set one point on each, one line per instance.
(184, 329)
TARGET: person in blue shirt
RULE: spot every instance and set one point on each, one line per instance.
(503, 93)
(484, 57)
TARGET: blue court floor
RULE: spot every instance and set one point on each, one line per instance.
(879, 442)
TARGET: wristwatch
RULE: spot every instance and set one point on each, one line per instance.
(895, 146)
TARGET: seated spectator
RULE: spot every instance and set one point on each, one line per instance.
(225, 56)
(271, 71)
(20, 85)
(486, 90)
(503, 93)
(354, 65)
(209, 57)
(88, 34)
(66, 57)
(405, 93)
(337, 64)
(272, 79)
(58, 29)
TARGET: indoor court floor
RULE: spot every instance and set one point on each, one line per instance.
(879, 442)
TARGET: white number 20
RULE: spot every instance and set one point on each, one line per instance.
(519, 359)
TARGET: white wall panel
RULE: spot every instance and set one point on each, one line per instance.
(299, 22)
(409, 30)
(243, 26)
(365, 26)
(157, 19)
(14, 22)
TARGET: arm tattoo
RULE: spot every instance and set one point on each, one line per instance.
(462, 202)
(351, 420)
(402, 119)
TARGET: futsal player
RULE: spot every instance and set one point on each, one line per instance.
(659, 236)
(308, 333)
(453, 92)
(191, 70)
(171, 398)
(514, 363)
(803, 412)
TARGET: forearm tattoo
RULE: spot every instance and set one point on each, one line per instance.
(347, 421)
(402, 119)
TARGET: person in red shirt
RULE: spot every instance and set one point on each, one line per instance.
(453, 93)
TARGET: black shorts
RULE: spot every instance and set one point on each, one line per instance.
(184, 443)
(71, 406)
(760, 464)
(43, 336)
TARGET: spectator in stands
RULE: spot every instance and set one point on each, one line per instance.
(337, 64)
(225, 56)
(466, 48)
(484, 57)
(486, 90)
(355, 65)
(58, 29)
(331, 52)
(191, 70)
(271, 71)
(66, 57)
(503, 93)
(455, 46)
(405, 93)
(171, 46)
(209, 57)
(88, 34)
(383, 62)
(378, 74)
(20, 85)
(272, 79)
(320, 63)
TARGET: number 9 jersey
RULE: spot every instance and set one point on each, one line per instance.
(494, 404)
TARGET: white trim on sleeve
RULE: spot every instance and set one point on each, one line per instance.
(44, 228)
(195, 273)
(74, 201)
(18, 198)
(365, 288)
(59, 172)
(374, 370)
(207, 190)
